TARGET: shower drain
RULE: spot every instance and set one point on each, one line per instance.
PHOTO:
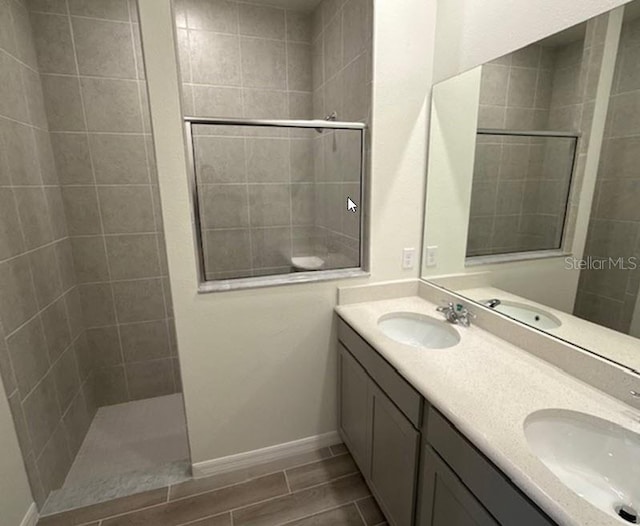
(627, 513)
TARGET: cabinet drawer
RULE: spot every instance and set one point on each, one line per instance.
(489, 485)
(408, 400)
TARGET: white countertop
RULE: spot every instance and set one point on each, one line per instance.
(487, 387)
(610, 344)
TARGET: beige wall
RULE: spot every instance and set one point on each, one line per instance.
(259, 366)
(466, 34)
(15, 497)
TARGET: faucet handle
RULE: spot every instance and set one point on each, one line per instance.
(448, 307)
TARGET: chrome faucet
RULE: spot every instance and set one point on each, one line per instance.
(492, 304)
(457, 314)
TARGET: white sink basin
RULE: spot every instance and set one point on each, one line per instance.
(533, 316)
(418, 330)
(597, 459)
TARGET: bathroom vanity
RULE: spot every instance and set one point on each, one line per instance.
(440, 434)
(419, 467)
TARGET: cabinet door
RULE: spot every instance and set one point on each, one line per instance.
(394, 459)
(354, 408)
(445, 501)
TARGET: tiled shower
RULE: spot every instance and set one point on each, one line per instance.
(271, 195)
(85, 306)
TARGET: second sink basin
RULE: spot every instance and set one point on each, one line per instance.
(418, 330)
(597, 459)
(528, 314)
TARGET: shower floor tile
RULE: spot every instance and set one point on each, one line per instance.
(130, 447)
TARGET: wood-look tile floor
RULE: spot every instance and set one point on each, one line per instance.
(319, 488)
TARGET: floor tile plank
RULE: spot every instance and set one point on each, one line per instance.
(188, 509)
(193, 487)
(320, 472)
(344, 516)
(302, 503)
(370, 511)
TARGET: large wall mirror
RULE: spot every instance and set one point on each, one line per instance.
(533, 191)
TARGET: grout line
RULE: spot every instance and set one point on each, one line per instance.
(355, 503)
(286, 479)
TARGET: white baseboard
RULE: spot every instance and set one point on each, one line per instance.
(267, 454)
(31, 517)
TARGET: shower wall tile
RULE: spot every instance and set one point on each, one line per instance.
(119, 159)
(76, 423)
(12, 103)
(267, 160)
(104, 343)
(28, 351)
(298, 26)
(139, 300)
(145, 379)
(104, 48)
(226, 102)
(107, 9)
(220, 15)
(81, 207)
(46, 277)
(56, 329)
(262, 21)
(145, 341)
(17, 301)
(298, 71)
(270, 205)
(71, 157)
(133, 256)
(215, 58)
(126, 209)
(11, 242)
(264, 63)
(52, 36)
(47, 6)
(42, 413)
(65, 374)
(111, 386)
(63, 103)
(97, 304)
(25, 50)
(90, 259)
(111, 105)
(224, 206)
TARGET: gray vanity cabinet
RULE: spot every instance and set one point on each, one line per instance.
(354, 408)
(394, 458)
(446, 501)
(419, 467)
(376, 407)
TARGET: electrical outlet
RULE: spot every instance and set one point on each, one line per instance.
(408, 258)
(432, 256)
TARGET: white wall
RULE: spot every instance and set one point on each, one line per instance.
(15, 495)
(259, 367)
(471, 32)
